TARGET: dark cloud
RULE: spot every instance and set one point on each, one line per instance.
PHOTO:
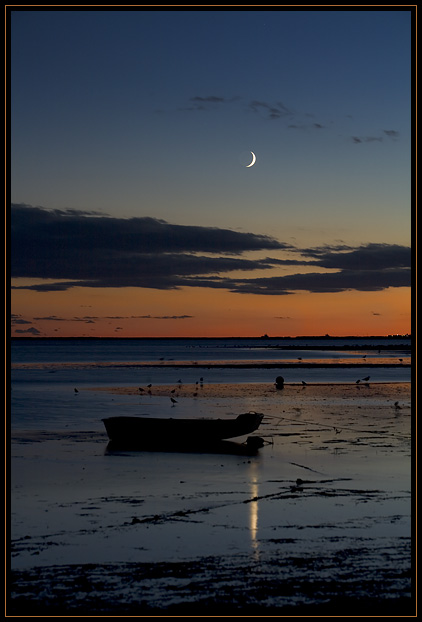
(55, 318)
(368, 280)
(306, 126)
(199, 102)
(271, 111)
(18, 319)
(156, 271)
(50, 287)
(368, 257)
(367, 139)
(92, 319)
(266, 109)
(371, 267)
(213, 99)
(274, 110)
(28, 331)
(51, 318)
(164, 317)
(392, 133)
(148, 317)
(82, 249)
(72, 229)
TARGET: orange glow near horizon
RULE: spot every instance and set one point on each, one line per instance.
(189, 312)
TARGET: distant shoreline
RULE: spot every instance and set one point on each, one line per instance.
(262, 338)
(209, 365)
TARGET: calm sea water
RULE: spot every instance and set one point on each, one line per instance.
(45, 372)
(200, 350)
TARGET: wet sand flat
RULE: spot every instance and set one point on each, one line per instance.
(297, 391)
(318, 522)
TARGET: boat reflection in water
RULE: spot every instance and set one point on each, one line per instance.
(249, 448)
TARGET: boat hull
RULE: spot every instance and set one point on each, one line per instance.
(145, 431)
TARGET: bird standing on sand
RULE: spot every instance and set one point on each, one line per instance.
(366, 378)
(173, 401)
(304, 383)
(76, 390)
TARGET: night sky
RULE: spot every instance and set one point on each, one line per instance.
(133, 210)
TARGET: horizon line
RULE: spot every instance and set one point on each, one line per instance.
(262, 337)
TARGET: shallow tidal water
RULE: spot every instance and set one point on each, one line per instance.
(319, 519)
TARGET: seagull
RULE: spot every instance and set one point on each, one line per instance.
(173, 401)
(357, 381)
(304, 383)
(366, 378)
(149, 386)
(396, 404)
(76, 390)
(173, 391)
(140, 389)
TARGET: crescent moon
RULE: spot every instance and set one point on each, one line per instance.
(253, 160)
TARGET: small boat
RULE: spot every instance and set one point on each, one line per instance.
(147, 431)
